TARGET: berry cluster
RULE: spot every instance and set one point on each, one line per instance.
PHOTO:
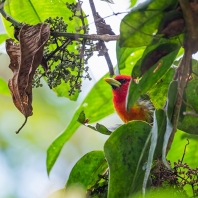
(65, 58)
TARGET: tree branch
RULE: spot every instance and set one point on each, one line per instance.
(104, 37)
(106, 55)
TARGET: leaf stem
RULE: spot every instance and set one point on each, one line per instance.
(22, 125)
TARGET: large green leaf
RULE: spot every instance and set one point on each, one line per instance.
(133, 2)
(96, 105)
(87, 170)
(4, 88)
(62, 91)
(171, 102)
(152, 56)
(127, 57)
(3, 37)
(150, 77)
(123, 150)
(157, 137)
(33, 11)
(189, 123)
(138, 26)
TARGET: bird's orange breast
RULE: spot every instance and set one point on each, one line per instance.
(136, 113)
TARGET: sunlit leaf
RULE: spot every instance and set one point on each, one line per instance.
(152, 55)
(127, 57)
(138, 26)
(4, 87)
(133, 2)
(123, 150)
(150, 78)
(62, 91)
(158, 93)
(3, 37)
(87, 170)
(95, 110)
(33, 12)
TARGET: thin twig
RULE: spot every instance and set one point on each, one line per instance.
(185, 150)
(22, 125)
(191, 114)
(104, 37)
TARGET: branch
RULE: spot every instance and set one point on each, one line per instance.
(191, 114)
(104, 37)
(107, 57)
(9, 18)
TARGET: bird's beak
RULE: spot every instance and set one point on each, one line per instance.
(112, 82)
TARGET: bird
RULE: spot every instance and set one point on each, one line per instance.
(142, 110)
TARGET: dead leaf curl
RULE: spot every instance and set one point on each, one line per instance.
(25, 57)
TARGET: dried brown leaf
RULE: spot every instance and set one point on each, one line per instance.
(24, 60)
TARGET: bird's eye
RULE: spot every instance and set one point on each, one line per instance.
(122, 81)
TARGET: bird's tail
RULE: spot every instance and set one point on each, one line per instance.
(145, 103)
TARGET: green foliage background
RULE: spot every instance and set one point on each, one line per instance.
(54, 120)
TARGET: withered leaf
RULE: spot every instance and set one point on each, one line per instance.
(102, 27)
(25, 57)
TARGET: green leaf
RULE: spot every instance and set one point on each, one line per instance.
(87, 170)
(158, 93)
(99, 127)
(97, 105)
(102, 129)
(128, 56)
(161, 129)
(4, 87)
(3, 37)
(177, 148)
(157, 133)
(122, 151)
(62, 91)
(81, 118)
(33, 12)
(133, 2)
(150, 78)
(152, 55)
(189, 123)
(171, 101)
(138, 26)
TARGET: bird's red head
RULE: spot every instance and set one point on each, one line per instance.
(119, 86)
(142, 109)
